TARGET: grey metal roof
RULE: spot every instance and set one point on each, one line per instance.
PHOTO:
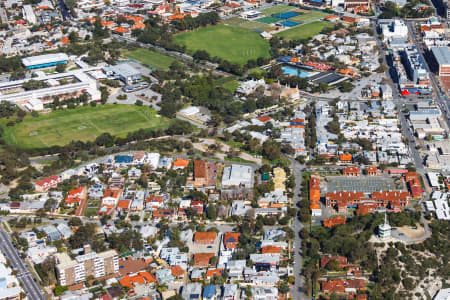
(442, 55)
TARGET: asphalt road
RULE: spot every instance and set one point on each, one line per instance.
(32, 289)
(298, 288)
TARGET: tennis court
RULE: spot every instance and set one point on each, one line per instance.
(267, 20)
(286, 15)
(288, 23)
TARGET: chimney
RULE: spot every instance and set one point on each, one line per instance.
(87, 248)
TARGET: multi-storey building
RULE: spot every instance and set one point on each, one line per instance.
(72, 271)
(415, 66)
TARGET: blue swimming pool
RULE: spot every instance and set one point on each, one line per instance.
(295, 72)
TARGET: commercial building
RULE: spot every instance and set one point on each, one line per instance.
(28, 14)
(124, 72)
(9, 284)
(415, 66)
(46, 60)
(72, 271)
(393, 29)
(441, 57)
(238, 176)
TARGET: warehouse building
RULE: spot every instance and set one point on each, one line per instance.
(46, 60)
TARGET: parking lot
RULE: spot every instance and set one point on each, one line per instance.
(145, 95)
(365, 184)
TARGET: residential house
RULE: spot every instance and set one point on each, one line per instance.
(209, 292)
(231, 240)
(230, 292)
(192, 291)
(201, 260)
(76, 196)
(205, 238)
(180, 164)
(43, 185)
(164, 276)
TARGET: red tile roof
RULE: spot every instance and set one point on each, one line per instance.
(264, 119)
(200, 169)
(331, 222)
(124, 204)
(140, 278)
(47, 180)
(204, 236)
(202, 259)
(213, 272)
(163, 213)
(340, 259)
(177, 271)
(181, 163)
(271, 250)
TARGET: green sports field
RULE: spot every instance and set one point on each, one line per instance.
(304, 31)
(150, 58)
(82, 123)
(237, 45)
(252, 25)
(277, 9)
(308, 16)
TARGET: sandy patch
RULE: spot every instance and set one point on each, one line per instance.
(412, 233)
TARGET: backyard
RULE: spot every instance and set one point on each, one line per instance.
(82, 123)
(235, 44)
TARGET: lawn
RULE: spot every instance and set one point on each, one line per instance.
(304, 31)
(256, 71)
(237, 45)
(276, 9)
(308, 16)
(252, 25)
(150, 58)
(91, 211)
(82, 123)
(231, 86)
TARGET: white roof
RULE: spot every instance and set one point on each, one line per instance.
(189, 111)
(443, 294)
(44, 59)
(433, 178)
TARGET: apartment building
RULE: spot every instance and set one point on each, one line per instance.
(72, 271)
